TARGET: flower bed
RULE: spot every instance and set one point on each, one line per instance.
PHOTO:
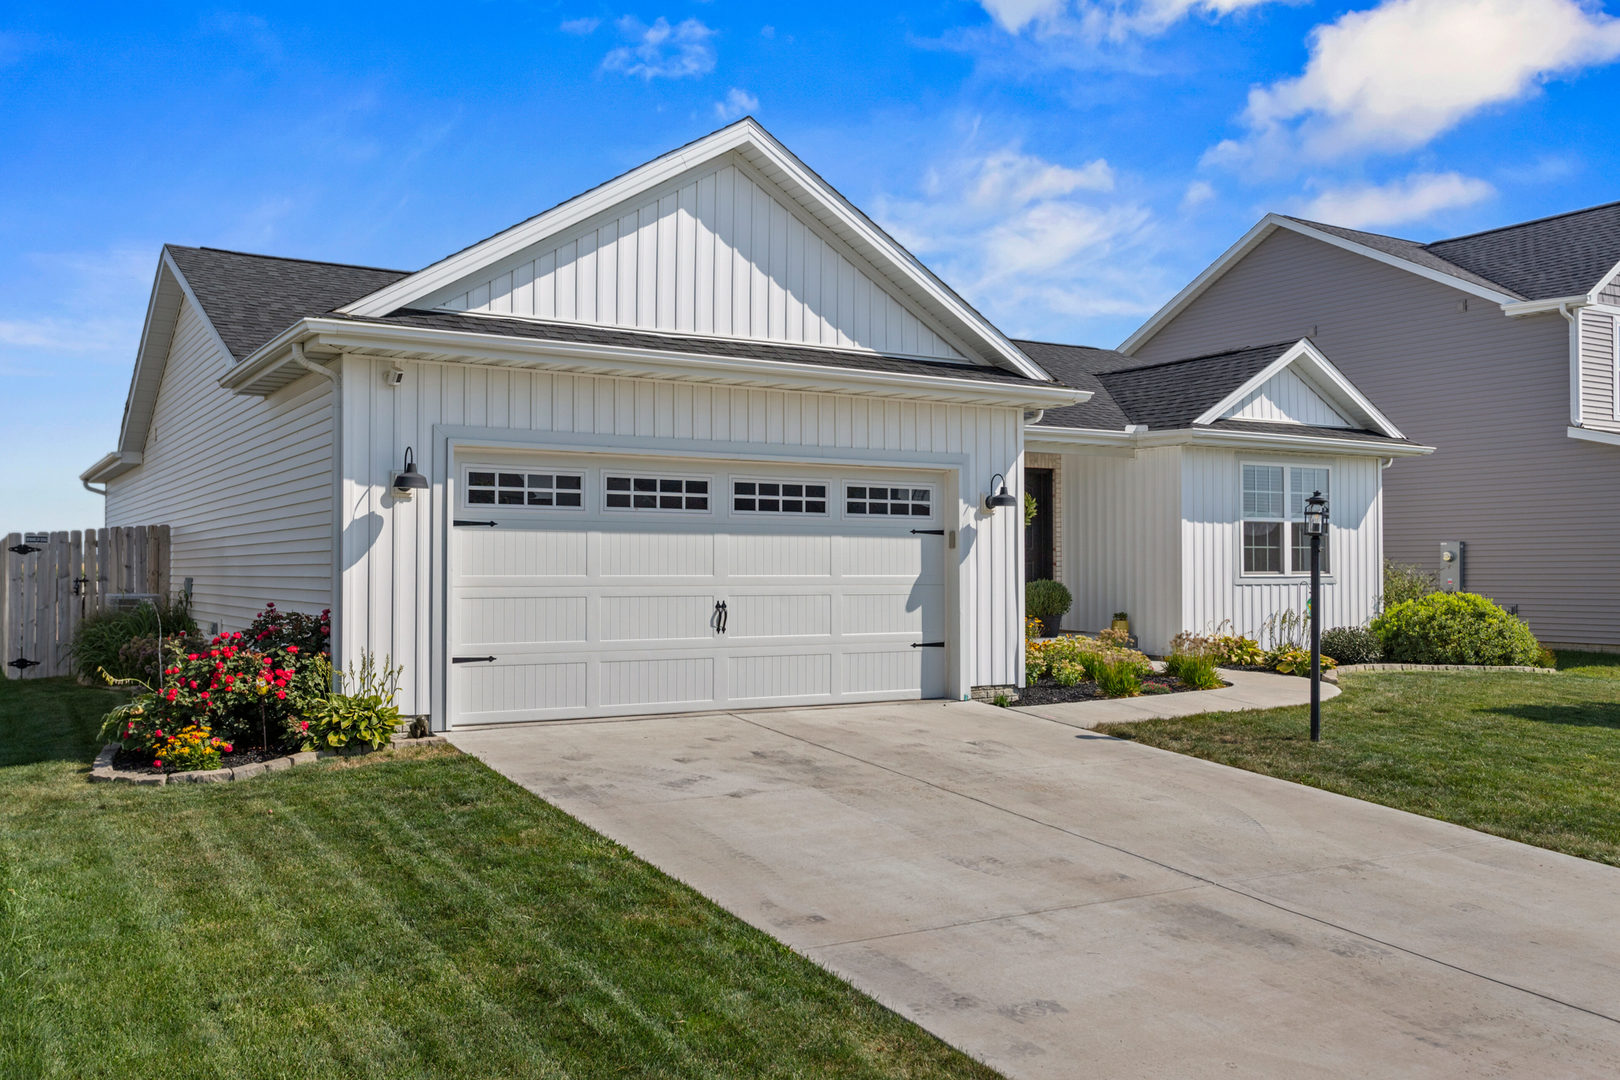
(1078, 668)
(248, 697)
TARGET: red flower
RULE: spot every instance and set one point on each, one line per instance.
(225, 747)
(213, 652)
(292, 648)
(160, 733)
(194, 684)
(157, 764)
(281, 693)
(304, 726)
(193, 656)
(203, 695)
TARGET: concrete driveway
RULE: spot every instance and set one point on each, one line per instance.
(1062, 904)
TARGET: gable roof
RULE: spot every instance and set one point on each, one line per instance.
(1551, 258)
(1196, 393)
(252, 298)
(903, 274)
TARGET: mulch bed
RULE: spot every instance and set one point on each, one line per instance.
(1047, 692)
(131, 762)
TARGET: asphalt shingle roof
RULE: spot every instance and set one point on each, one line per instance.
(1563, 255)
(700, 346)
(252, 298)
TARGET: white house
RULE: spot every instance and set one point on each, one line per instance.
(704, 436)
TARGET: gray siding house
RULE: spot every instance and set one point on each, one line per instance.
(1498, 349)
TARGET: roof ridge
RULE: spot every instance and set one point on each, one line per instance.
(1521, 224)
(291, 258)
(1204, 356)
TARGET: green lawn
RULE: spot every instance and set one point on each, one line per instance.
(1532, 757)
(407, 914)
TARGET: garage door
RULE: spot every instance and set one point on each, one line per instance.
(590, 586)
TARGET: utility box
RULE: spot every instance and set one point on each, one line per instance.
(1451, 566)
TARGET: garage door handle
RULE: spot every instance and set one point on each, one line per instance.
(927, 644)
(721, 615)
(486, 524)
(471, 659)
(927, 532)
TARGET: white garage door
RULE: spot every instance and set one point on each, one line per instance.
(583, 585)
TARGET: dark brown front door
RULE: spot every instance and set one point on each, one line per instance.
(1039, 534)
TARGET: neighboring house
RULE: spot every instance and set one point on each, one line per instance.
(703, 436)
(1498, 348)
(1178, 488)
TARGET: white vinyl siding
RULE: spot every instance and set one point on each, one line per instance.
(245, 484)
(1287, 399)
(719, 252)
(1491, 393)
(1598, 371)
(1217, 592)
(389, 545)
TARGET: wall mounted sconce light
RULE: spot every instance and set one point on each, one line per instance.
(1000, 498)
(408, 480)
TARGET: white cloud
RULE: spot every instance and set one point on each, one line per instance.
(1197, 194)
(580, 26)
(662, 50)
(1415, 198)
(1093, 20)
(1398, 75)
(1032, 242)
(737, 103)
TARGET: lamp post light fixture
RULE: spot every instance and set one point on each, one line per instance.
(999, 498)
(1316, 525)
(408, 479)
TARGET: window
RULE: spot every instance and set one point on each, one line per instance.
(655, 493)
(867, 501)
(778, 497)
(1274, 540)
(525, 489)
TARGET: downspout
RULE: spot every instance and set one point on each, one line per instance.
(336, 644)
(1576, 414)
(93, 490)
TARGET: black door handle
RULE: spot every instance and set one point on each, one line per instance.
(721, 615)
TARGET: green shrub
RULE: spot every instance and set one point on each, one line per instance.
(1352, 645)
(1403, 582)
(1047, 601)
(1234, 650)
(363, 713)
(103, 636)
(1454, 628)
(1069, 673)
(1120, 678)
(1293, 660)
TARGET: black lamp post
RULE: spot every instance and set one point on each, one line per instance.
(1316, 523)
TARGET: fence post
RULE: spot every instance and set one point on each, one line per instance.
(11, 607)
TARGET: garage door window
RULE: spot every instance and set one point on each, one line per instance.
(495, 488)
(867, 501)
(778, 497)
(656, 493)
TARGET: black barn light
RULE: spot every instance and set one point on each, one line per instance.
(1000, 498)
(408, 479)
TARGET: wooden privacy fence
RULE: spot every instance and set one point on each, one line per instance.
(53, 580)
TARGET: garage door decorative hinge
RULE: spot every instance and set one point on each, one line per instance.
(927, 644)
(486, 524)
(927, 532)
(471, 659)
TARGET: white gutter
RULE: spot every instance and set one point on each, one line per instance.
(1519, 308)
(1143, 438)
(648, 362)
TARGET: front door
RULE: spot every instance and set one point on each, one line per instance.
(1039, 535)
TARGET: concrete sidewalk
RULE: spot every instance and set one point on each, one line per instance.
(1249, 690)
(1061, 904)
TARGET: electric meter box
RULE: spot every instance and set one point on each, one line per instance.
(1451, 566)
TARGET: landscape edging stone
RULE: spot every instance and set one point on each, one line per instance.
(103, 770)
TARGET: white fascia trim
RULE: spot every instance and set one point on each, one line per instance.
(657, 363)
(745, 132)
(1518, 309)
(114, 464)
(1309, 356)
(1269, 224)
(1229, 439)
(1608, 438)
(1604, 282)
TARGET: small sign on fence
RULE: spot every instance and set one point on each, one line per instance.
(49, 581)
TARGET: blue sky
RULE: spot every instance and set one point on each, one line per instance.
(1065, 164)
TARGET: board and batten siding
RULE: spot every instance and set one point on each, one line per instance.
(1491, 394)
(1287, 398)
(1217, 597)
(715, 252)
(1597, 352)
(244, 484)
(389, 546)
(1120, 541)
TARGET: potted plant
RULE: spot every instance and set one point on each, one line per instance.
(1122, 622)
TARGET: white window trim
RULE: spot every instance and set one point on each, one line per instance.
(829, 498)
(646, 474)
(1287, 576)
(465, 495)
